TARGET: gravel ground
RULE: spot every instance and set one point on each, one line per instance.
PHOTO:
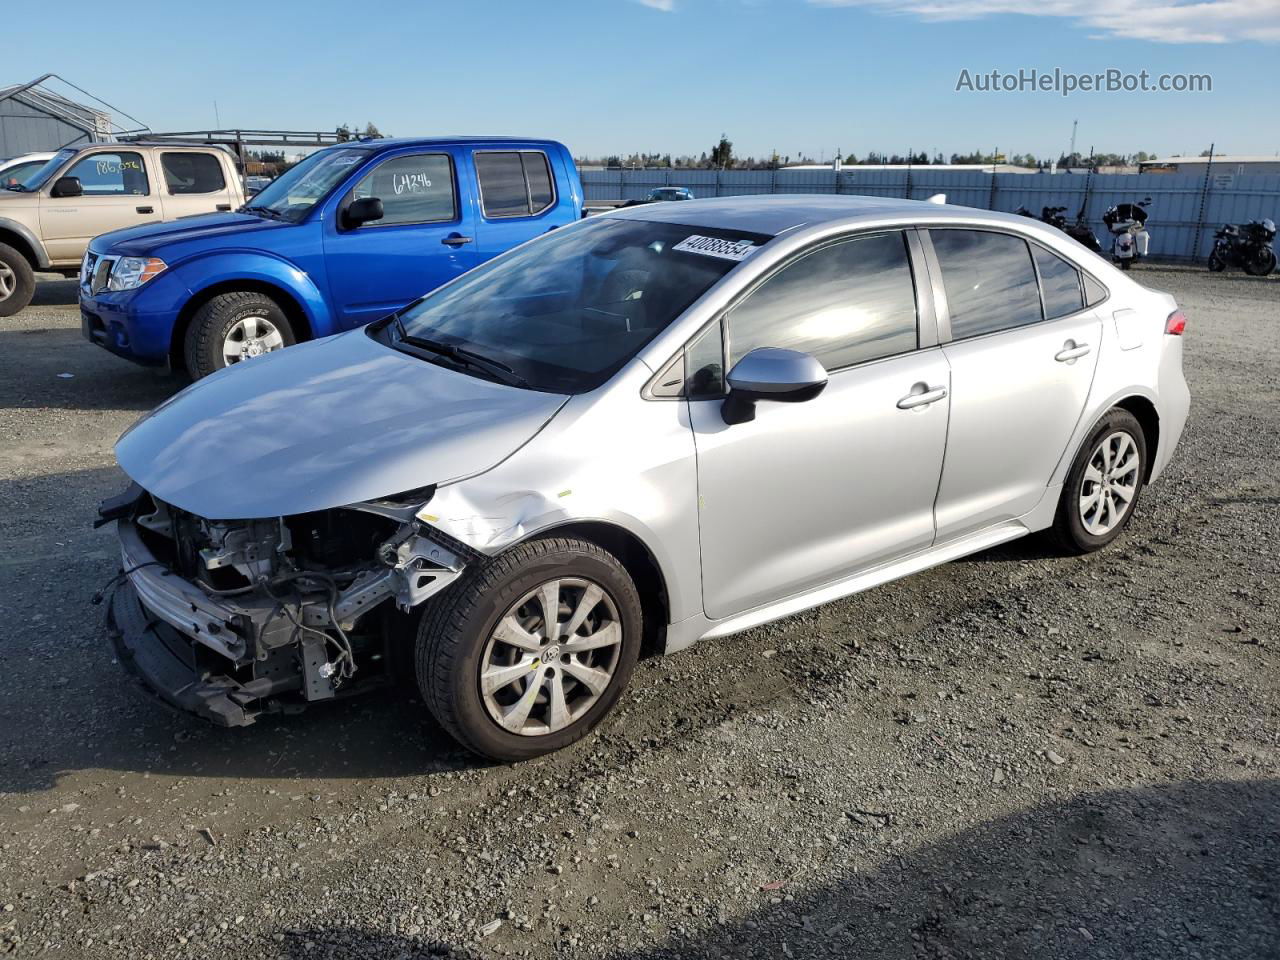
(1015, 755)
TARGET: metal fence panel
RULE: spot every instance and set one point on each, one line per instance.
(1183, 206)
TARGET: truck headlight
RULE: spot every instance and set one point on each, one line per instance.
(131, 272)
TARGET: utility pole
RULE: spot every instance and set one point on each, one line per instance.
(217, 120)
(1072, 151)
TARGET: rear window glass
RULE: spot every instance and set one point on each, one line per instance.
(514, 183)
(192, 173)
(1059, 283)
(989, 280)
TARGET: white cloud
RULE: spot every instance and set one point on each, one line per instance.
(666, 6)
(1161, 21)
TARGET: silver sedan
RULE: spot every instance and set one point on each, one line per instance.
(659, 425)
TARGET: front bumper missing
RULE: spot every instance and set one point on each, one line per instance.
(231, 659)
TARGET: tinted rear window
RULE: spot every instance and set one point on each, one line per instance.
(989, 280)
(1059, 282)
(514, 183)
(186, 173)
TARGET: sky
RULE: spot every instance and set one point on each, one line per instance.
(802, 77)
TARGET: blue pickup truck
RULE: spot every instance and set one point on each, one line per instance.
(350, 234)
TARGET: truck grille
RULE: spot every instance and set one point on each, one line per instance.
(94, 273)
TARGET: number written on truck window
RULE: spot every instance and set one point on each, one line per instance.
(111, 175)
(416, 189)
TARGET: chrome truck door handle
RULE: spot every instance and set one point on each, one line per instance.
(1071, 351)
(920, 395)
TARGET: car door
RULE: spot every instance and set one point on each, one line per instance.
(425, 238)
(194, 183)
(1022, 346)
(117, 192)
(517, 199)
(807, 493)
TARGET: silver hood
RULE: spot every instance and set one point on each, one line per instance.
(324, 424)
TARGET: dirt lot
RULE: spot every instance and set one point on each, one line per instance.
(1016, 755)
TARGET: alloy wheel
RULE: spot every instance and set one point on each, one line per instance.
(551, 656)
(8, 281)
(250, 337)
(1110, 484)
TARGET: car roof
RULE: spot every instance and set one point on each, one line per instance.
(774, 214)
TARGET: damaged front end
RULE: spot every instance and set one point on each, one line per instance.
(230, 619)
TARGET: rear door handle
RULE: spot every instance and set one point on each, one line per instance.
(145, 209)
(223, 207)
(455, 240)
(920, 395)
(1071, 351)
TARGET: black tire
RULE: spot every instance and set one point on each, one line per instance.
(1068, 527)
(24, 281)
(454, 631)
(214, 320)
(1261, 263)
(1216, 263)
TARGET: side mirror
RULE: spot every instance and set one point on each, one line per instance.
(66, 187)
(362, 211)
(770, 373)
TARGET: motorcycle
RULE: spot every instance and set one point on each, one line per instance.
(1127, 224)
(1078, 231)
(1247, 246)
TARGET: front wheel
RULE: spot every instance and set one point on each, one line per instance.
(1216, 263)
(1261, 263)
(1103, 486)
(529, 650)
(234, 327)
(17, 281)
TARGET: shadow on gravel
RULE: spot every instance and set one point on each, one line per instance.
(1182, 870)
(55, 291)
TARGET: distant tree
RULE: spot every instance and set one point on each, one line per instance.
(851, 159)
(344, 133)
(1207, 153)
(371, 131)
(722, 153)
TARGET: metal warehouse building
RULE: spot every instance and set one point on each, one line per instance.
(35, 119)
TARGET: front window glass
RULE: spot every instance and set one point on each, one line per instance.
(414, 189)
(292, 195)
(846, 303)
(565, 312)
(111, 175)
(37, 177)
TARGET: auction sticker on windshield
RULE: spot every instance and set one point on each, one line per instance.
(717, 247)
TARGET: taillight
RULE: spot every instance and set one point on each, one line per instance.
(1176, 324)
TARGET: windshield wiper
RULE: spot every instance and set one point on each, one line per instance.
(461, 355)
(265, 211)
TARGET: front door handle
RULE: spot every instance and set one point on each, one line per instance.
(455, 240)
(920, 395)
(145, 209)
(1071, 351)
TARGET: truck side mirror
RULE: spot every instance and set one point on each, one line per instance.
(66, 187)
(362, 211)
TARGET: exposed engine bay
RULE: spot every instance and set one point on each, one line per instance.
(233, 618)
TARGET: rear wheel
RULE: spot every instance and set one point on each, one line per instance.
(529, 651)
(1103, 486)
(17, 281)
(232, 328)
(1261, 263)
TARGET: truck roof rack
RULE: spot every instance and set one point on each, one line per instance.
(236, 140)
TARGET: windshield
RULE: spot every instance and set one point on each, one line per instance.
(291, 195)
(35, 179)
(567, 311)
